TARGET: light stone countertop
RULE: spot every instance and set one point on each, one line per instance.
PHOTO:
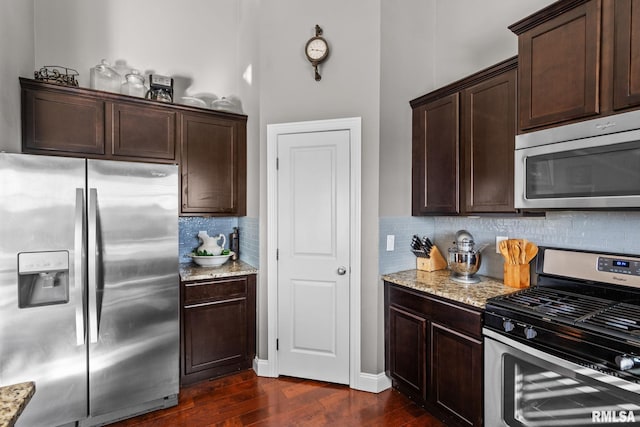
(191, 271)
(13, 399)
(439, 283)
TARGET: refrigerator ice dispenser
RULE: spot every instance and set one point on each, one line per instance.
(43, 278)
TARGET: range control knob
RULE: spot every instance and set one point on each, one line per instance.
(508, 325)
(627, 362)
(530, 333)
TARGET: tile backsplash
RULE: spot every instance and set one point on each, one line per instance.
(248, 229)
(249, 240)
(189, 227)
(617, 232)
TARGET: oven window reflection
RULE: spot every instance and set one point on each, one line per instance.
(539, 395)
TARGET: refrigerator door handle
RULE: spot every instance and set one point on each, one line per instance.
(93, 264)
(79, 259)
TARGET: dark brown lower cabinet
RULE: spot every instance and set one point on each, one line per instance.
(407, 352)
(433, 352)
(218, 327)
(456, 367)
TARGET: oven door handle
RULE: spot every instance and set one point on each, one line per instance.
(528, 353)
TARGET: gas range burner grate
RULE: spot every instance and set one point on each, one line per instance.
(552, 303)
(600, 315)
(622, 320)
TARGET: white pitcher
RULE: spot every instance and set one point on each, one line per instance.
(210, 244)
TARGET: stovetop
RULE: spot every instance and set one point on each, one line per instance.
(600, 315)
(585, 306)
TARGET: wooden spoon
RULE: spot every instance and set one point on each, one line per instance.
(516, 251)
(504, 250)
(520, 244)
(531, 250)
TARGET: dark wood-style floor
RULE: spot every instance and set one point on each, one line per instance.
(245, 399)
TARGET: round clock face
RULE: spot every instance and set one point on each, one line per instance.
(317, 49)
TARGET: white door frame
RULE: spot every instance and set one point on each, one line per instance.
(353, 125)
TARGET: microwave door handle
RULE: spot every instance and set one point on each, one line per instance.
(92, 264)
(79, 259)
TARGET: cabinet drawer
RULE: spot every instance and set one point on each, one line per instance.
(409, 300)
(200, 292)
(456, 317)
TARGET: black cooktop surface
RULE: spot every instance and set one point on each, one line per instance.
(605, 316)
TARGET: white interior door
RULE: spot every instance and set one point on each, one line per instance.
(313, 255)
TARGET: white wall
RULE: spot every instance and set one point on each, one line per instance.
(194, 41)
(350, 87)
(16, 59)
(471, 35)
(407, 67)
(249, 92)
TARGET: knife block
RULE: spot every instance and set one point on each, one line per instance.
(435, 261)
(517, 275)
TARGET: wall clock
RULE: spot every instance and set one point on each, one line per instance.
(317, 50)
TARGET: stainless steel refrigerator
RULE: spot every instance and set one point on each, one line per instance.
(89, 287)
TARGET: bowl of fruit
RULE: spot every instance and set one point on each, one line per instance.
(207, 259)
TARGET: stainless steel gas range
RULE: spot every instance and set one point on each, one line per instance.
(566, 352)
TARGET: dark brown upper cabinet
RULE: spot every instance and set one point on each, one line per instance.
(72, 121)
(463, 145)
(488, 141)
(213, 165)
(56, 120)
(626, 83)
(141, 131)
(435, 156)
(578, 59)
(210, 146)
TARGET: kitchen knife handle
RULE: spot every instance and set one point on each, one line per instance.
(78, 266)
(92, 263)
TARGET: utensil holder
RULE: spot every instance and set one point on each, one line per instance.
(517, 275)
(435, 261)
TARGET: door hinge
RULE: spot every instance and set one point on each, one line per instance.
(277, 254)
(277, 163)
(277, 344)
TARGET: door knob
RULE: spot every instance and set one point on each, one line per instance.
(342, 271)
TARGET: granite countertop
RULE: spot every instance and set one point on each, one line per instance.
(439, 283)
(13, 399)
(191, 271)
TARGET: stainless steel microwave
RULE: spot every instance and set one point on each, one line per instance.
(593, 164)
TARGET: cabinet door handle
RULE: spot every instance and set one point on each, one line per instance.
(209, 303)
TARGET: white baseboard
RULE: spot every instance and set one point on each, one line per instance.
(262, 367)
(372, 383)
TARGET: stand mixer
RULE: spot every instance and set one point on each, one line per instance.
(464, 260)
